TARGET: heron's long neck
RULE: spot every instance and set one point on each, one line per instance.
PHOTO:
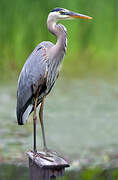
(60, 32)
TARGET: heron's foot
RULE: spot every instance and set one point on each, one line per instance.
(42, 156)
(49, 153)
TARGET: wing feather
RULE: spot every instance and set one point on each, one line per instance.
(32, 73)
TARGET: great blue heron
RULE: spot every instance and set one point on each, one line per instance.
(41, 70)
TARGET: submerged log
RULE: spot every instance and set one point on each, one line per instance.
(46, 167)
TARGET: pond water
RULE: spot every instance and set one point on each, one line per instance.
(80, 117)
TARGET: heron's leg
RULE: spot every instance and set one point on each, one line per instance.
(34, 124)
(42, 126)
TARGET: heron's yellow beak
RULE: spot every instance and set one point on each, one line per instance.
(77, 15)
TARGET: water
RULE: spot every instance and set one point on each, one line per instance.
(80, 116)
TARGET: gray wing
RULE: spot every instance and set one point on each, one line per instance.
(31, 76)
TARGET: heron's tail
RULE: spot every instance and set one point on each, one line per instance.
(22, 116)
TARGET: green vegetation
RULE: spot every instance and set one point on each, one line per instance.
(92, 45)
(9, 172)
(92, 174)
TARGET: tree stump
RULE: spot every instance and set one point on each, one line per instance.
(43, 167)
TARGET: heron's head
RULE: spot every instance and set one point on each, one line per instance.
(61, 13)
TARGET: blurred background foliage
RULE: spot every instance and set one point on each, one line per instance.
(14, 171)
(92, 45)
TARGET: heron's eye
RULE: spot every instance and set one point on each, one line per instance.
(62, 12)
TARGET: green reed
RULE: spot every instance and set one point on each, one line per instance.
(92, 45)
